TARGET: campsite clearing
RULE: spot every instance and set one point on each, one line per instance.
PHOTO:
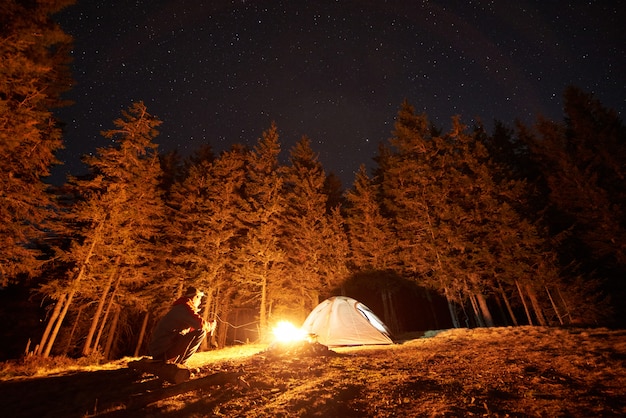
(513, 371)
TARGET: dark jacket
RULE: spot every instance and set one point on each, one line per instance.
(180, 319)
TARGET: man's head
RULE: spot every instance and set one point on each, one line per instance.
(194, 294)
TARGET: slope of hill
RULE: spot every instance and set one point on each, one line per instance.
(520, 371)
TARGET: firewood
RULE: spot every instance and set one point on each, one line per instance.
(173, 373)
(221, 378)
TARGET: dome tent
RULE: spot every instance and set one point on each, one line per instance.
(340, 321)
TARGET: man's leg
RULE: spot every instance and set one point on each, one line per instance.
(185, 346)
(196, 338)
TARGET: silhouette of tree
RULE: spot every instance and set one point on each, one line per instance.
(582, 164)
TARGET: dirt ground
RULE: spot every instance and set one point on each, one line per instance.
(498, 372)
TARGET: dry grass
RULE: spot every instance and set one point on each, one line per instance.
(524, 371)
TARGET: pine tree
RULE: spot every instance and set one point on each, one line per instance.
(456, 216)
(581, 162)
(120, 214)
(34, 71)
(206, 230)
(308, 233)
(417, 192)
(372, 243)
(261, 260)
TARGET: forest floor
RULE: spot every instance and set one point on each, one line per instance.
(499, 372)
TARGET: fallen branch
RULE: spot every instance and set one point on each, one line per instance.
(143, 400)
(173, 373)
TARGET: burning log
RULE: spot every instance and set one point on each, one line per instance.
(299, 349)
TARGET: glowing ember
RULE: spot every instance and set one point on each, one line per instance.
(286, 332)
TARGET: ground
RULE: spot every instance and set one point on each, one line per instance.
(499, 372)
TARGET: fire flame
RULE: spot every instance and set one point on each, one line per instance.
(286, 332)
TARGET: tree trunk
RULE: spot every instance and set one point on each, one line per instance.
(536, 306)
(263, 308)
(57, 326)
(112, 333)
(453, 315)
(208, 305)
(484, 309)
(554, 307)
(235, 327)
(142, 333)
(72, 292)
(55, 315)
(507, 304)
(431, 309)
(87, 348)
(477, 314)
(567, 311)
(106, 313)
(521, 296)
(76, 321)
(217, 311)
(504, 315)
(388, 312)
(223, 330)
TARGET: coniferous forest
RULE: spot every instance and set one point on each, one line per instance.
(461, 228)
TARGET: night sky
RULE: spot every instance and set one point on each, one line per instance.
(219, 72)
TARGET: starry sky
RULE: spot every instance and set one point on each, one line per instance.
(219, 72)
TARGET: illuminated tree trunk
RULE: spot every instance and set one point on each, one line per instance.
(477, 314)
(106, 314)
(536, 306)
(484, 309)
(567, 311)
(391, 320)
(507, 304)
(218, 310)
(112, 333)
(208, 305)
(51, 321)
(70, 296)
(263, 309)
(68, 346)
(452, 309)
(223, 330)
(96, 317)
(556, 310)
(57, 326)
(521, 296)
(142, 333)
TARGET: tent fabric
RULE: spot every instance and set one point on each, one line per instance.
(342, 321)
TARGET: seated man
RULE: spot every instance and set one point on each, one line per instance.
(181, 331)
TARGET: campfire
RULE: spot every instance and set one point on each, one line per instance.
(290, 340)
